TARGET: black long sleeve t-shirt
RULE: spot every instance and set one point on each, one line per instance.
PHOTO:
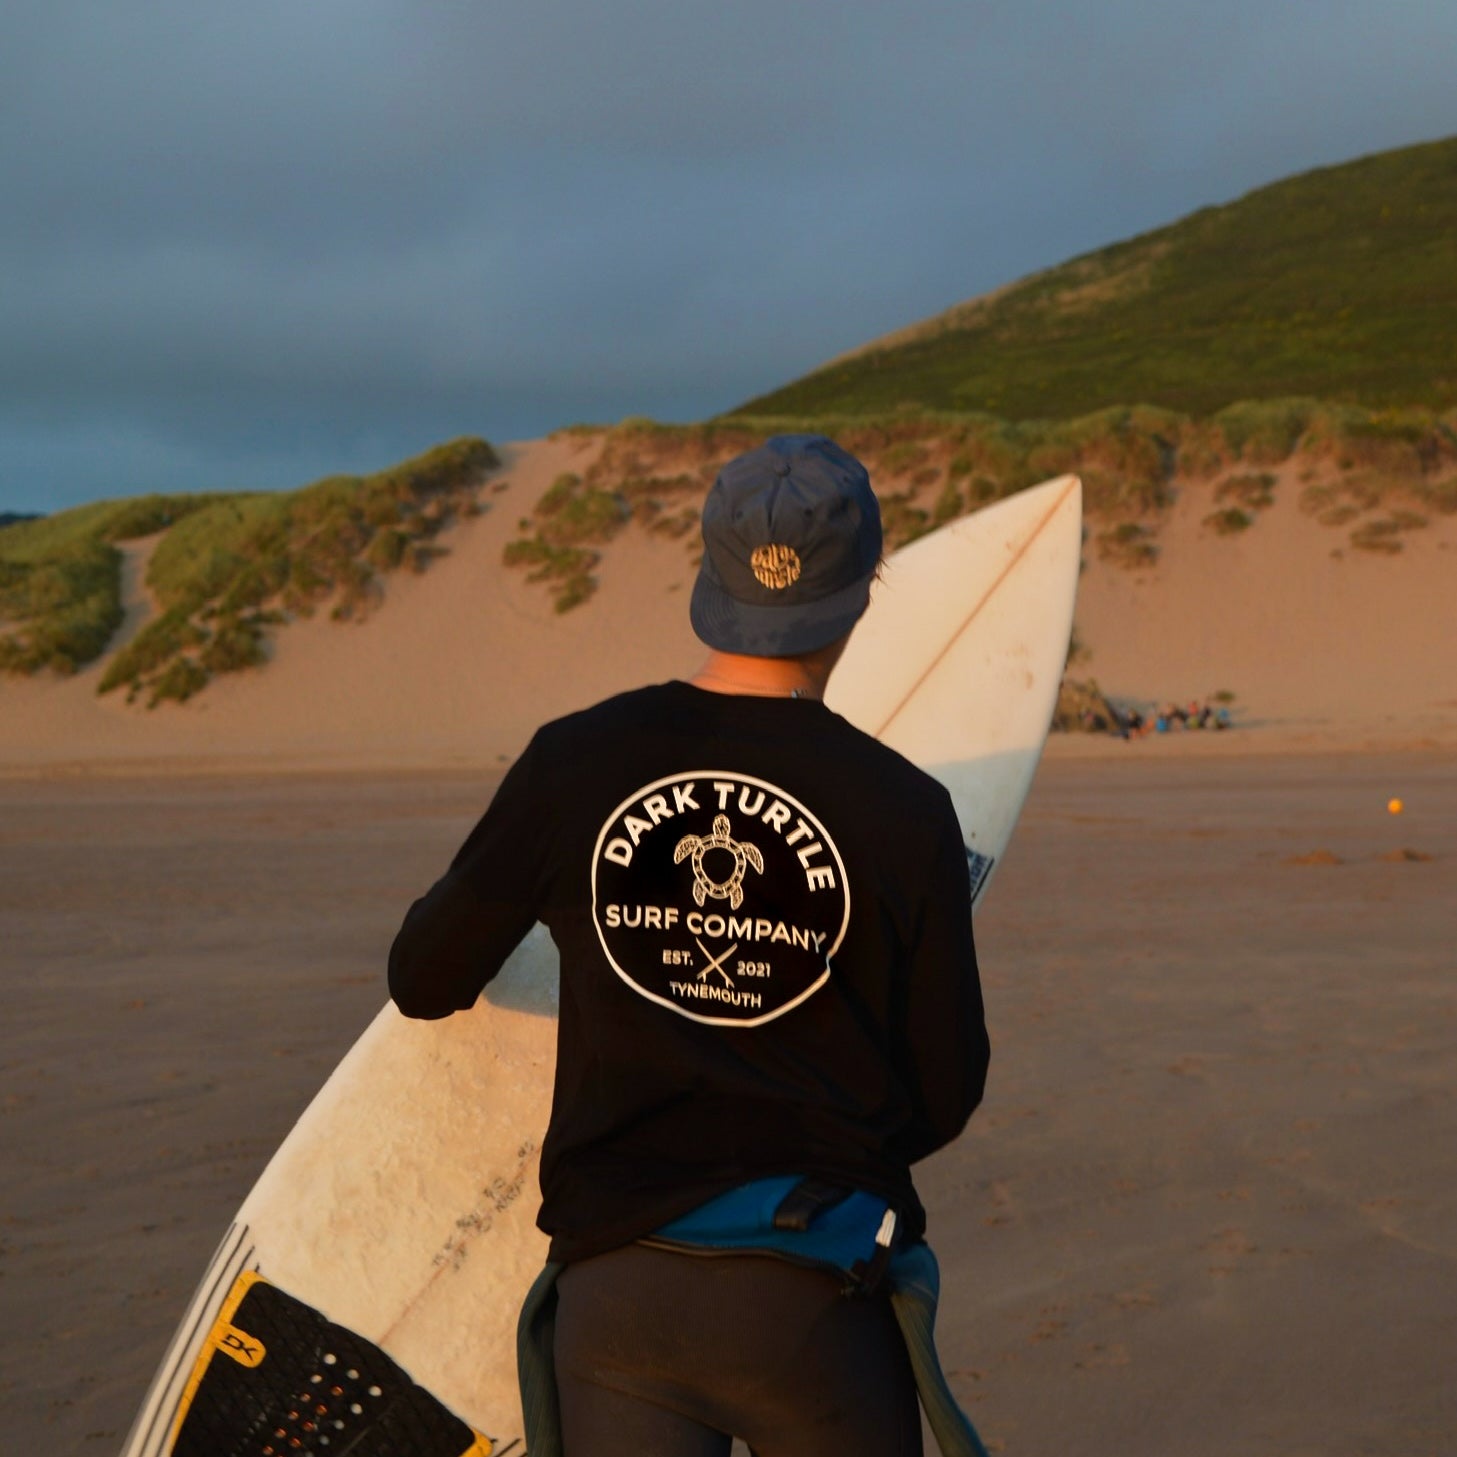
(767, 967)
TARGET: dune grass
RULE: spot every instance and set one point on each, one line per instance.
(61, 611)
(930, 467)
(60, 579)
(228, 571)
(651, 474)
(1384, 533)
(225, 576)
(1229, 521)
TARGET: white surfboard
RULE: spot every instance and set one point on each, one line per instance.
(366, 1296)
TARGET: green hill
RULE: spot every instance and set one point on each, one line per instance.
(1339, 284)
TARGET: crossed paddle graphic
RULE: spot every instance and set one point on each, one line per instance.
(715, 963)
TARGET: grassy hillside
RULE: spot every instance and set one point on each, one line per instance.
(1339, 284)
(228, 570)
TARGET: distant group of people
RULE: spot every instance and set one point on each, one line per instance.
(1102, 717)
(1175, 718)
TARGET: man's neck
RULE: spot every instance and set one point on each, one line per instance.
(804, 676)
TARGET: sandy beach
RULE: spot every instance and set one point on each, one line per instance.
(1209, 1204)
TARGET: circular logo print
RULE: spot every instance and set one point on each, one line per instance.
(720, 896)
(775, 566)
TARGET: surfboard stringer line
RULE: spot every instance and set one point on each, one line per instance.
(1073, 484)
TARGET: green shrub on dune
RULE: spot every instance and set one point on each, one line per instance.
(1128, 544)
(1252, 491)
(60, 579)
(163, 639)
(1125, 456)
(556, 541)
(1265, 432)
(63, 608)
(237, 642)
(178, 681)
(933, 466)
(235, 546)
(1230, 521)
(567, 569)
(903, 521)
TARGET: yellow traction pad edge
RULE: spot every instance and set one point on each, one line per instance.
(294, 1382)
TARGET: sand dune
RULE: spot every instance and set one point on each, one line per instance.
(453, 668)
(458, 663)
(1321, 642)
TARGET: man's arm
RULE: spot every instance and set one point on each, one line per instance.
(457, 936)
(945, 1023)
(450, 945)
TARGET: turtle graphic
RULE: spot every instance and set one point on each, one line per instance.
(731, 889)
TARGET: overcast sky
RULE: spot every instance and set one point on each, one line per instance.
(248, 244)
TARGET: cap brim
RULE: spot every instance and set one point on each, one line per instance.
(773, 630)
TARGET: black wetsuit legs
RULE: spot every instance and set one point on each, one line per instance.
(675, 1354)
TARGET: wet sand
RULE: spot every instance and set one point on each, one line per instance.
(1210, 1204)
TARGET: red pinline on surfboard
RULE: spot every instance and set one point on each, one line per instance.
(1072, 484)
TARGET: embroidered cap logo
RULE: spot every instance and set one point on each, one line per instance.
(776, 567)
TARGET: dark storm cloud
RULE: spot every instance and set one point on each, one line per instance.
(247, 245)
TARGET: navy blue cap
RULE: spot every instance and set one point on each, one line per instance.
(791, 543)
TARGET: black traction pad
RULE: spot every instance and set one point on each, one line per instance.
(276, 1379)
